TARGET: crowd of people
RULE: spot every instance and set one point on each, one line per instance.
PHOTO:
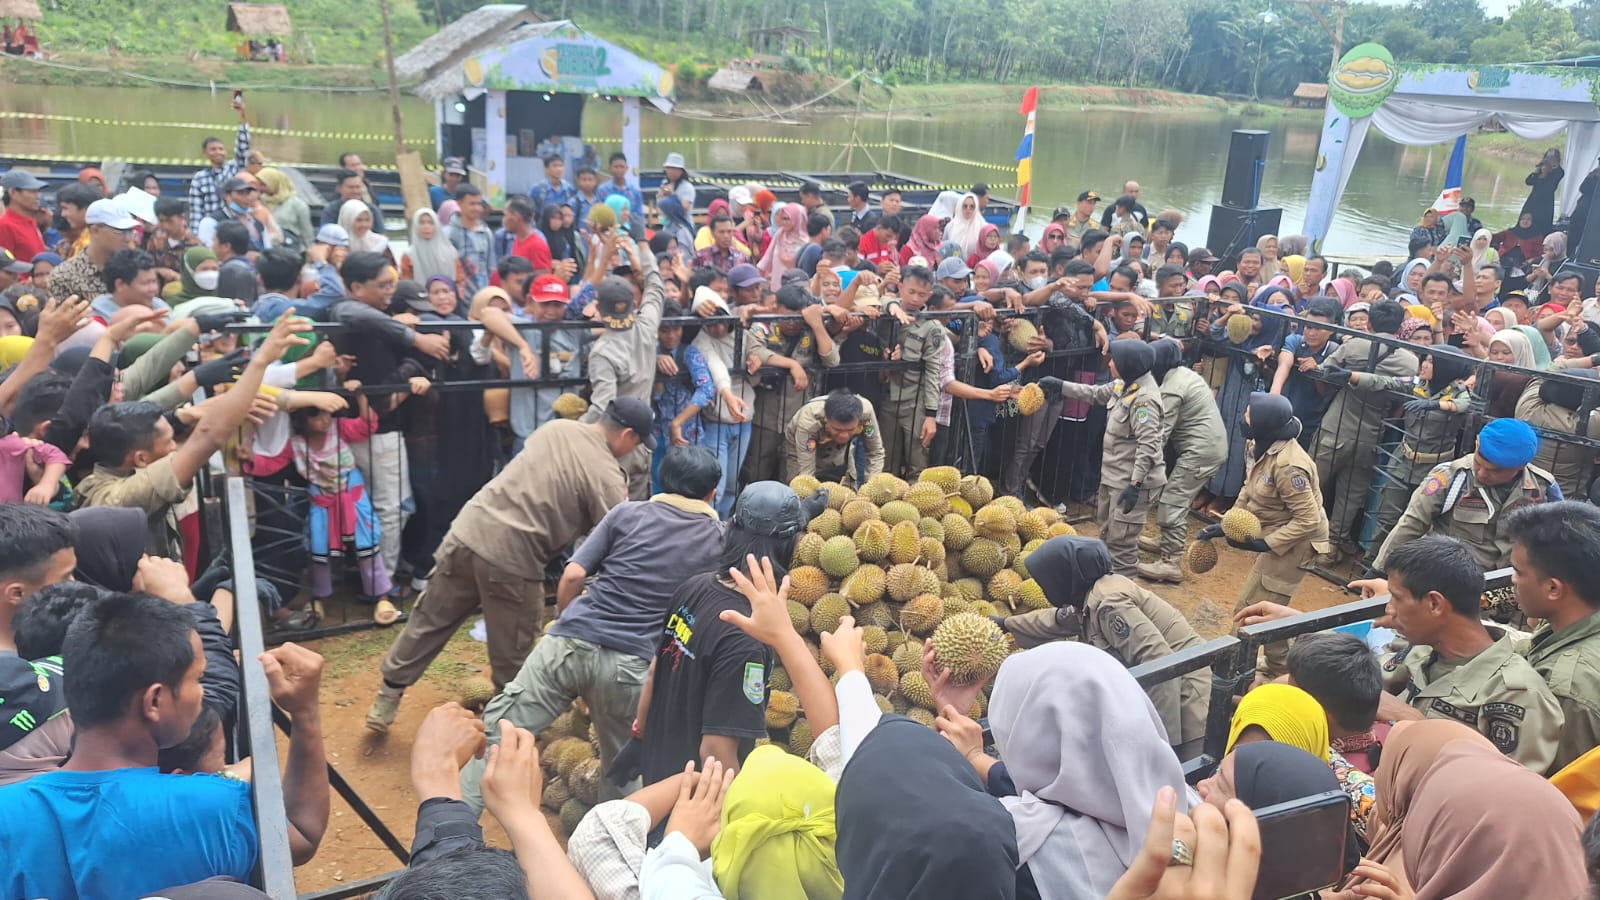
(613, 395)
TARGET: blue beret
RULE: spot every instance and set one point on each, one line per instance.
(1508, 443)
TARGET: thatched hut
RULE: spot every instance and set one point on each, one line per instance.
(257, 19)
(27, 10)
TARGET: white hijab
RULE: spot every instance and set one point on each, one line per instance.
(963, 228)
(1087, 752)
(431, 257)
(946, 205)
(374, 241)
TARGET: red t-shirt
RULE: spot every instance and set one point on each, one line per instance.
(876, 253)
(533, 248)
(20, 235)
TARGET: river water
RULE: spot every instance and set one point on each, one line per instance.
(1177, 156)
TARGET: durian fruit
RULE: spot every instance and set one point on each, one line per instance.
(555, 794)
(930, 551)
(983, 558)
(808, 583)
(1239, 326)
(948, 478)
(1031, 526)
(994, 522)
(881, 674)
(971, 588)
(476, 692)
(904, 543)
(1030, 399)
(1011, 503)
(985, 608)
(875, 615)
(1047, 514)
(897, 639)
(928, 498)
(915, 688)
(779, 680)
(929, 527)
(807, 550)
(838, 495)
(952, 565)
(782, 707)
(923, 614)
(838, 557)
(827, 524)
(908, 656)
(1005, 587)
(872, 540)
(896, 511)
(572, 754)
(800, 737)
(969, 647)
(804, 485)
(826, 614)
(958, 532)
(855, 512)
(1061, 529)
(571, 723)
(922, 717)
(1019, 564)
(1031, 596)
(584, 782)
(977, 491)
(1021, 333)
(1240, 524)
(556, 751)
(874, 638)
(931, 581)
(1013, 545)
(882, 488)
(961, 507)
(572, 812)
(884, 706)
(865, 585)
(569, 406)
(905, 582)
(799, 617)
(1201, 557)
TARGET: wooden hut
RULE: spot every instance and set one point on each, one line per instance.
(1310, 94)
(26, 10)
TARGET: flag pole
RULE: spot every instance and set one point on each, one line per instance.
(1024, 159)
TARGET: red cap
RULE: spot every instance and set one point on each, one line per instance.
(548, 289)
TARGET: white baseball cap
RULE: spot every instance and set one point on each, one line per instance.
(674, 161)
(110, 213)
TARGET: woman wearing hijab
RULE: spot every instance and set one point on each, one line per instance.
(431, 254)
(1523, 237)
(1087, 754)
(623, 210)
(676, 222)
(1429, 228)
(945, 206)
(562, 237)
(1270, 264)
(1457, 231)
(1483, 253)
(1512, 348)
(356, 219)
(1131, 467)
(1053, 239)
(1554, 249)
(965, 227)
(915, 822)
(197, 275)
(1288, 715)
(1117, 615)
(924, 242)
(1344, 290)
(1411, 275)
(988, 242)
(1245, 375)
(783, 253)
(1542, 182)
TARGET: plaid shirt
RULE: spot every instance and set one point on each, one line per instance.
(204, 199)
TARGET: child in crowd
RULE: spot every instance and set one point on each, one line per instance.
(341, 510)
(25, 461)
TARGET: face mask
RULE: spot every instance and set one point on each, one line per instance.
(1036, 282)
(207, 281)
(236, 208)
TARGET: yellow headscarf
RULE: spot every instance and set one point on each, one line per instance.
(777, 832)
(1295, 267)
(1423, 313)
(13, 348)
(1287, 714)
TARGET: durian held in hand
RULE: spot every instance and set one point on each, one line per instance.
(969, 647)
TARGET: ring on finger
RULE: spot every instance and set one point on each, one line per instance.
(1181, 854)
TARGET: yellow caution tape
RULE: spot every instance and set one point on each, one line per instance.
(955, 159)
(161, 161)
(203, 126)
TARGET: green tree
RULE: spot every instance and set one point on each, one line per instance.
(1503, 46)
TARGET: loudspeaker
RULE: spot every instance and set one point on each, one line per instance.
(1232, 229)
(1247, 162)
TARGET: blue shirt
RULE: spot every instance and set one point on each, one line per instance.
(546, 194)
(1301, 390)
(122, 833)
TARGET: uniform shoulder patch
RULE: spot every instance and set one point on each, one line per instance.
(1450, 710)
(1117, 625)
(811, 445)
(1505, 710)
(868, 429)
(1141, 414)
(1299, 483)
(755, 682)
(1504, 735)
(1436, 482)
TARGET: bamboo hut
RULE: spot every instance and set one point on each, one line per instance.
(257, 19)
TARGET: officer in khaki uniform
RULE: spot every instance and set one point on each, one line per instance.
(1552, 406)
(1132, 469)
(1281, 487)
(1450, 665)
(1555, 550)
(1117, 615)
(1192, 425)
(799, 347)
(1468, 497)
(821, 435)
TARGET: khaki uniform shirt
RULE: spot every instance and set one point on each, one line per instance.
(775, 394)
(154, 489)
(1134, 436)
(1452, 503)
(1496, 692)
(1570, 464)
(1430, 436)
(1569, 662)
(558, 487)
(1282, 489)
(810, 447)
(915, 389)
(1137, 627)
(1356, 415)
(1190, 420)
(622, 363)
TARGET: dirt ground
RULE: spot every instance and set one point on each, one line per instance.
(378, 767)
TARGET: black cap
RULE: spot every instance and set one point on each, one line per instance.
(1088, 195)
(1201, 254)
(981, 189)
(235, 183)
(631, 412)
(408, 295)
(1062, 212)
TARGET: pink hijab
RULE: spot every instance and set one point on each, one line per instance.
(784, 251)
(1345, 291)
(925, 239)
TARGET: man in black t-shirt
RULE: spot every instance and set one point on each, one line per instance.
(708, 693)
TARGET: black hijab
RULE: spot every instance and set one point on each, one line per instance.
(1168, 356)
(109, 545)
(562, 241)
(1133, 359)
(1271, 420)
(1564, 394)
(915, 822)
(1449, 365)
(1266, 773)
(1067, 568)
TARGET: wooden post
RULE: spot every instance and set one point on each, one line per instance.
(419, 188)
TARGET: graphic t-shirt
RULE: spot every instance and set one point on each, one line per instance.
(711, 678)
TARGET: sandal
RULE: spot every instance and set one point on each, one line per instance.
(302, 619)
(385, 612)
